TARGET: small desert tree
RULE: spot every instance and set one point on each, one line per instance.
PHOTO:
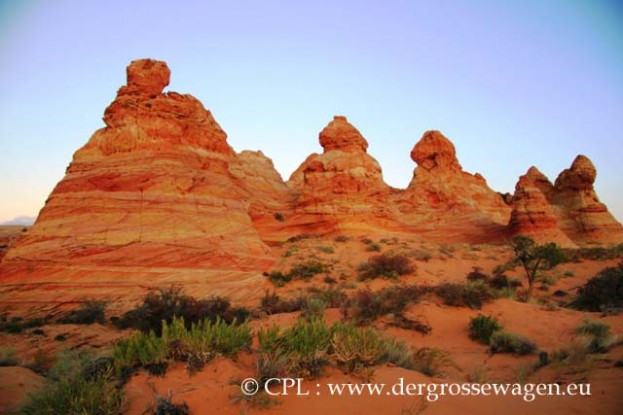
(535, 258)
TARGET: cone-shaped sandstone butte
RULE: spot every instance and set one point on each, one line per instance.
(148, 199)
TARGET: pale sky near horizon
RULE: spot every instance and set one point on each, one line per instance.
(512, 84)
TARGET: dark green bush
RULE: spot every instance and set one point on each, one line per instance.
(601, 339)
(90, 312)
(501, 281)
(17, 324)
(366, 305)
(476, 274)
(300, 237)
(279, 279)
(385, 266)
(481, 328)
(594, 253)
(163, 304)
(602, 292)
(406, 323)
(164, 406)
(307, 270)
(472, 294)
(505, 342)
(333, 297)
(271, 303)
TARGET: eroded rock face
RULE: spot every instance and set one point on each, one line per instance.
(581, 215)
(434, 152)
(532, 213)
(148, 198)
(340, 135)
(146, 76)
(568, 212)
(343, 187)
(442, 196)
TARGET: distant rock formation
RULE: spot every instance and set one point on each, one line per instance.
(568, 212)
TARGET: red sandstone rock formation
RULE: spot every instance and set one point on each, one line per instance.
(532, 213)
(443, 198)
(580, 213)
(149, 199)
(158, 197)
(342, 188)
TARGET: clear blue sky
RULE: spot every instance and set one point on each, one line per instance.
(512, 84)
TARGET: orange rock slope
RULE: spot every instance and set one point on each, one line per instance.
(158, 196)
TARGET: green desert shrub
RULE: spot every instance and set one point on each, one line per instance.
(594, 253)
(327, 249)
(602, 292)
(8, 357)
(271, 303)
(600, 338)
(476, 274)
(279, 279)
(302, 271)
(140, 350)
(163, 304)
(204, 340)
(481, 328)
(385, 266)
(305, 348)
(505, 342)
(307, 344)
(164, 406)
(16, 324)
(430, 361)
(306, 270)
(367, 305)
(77, 384)
(91, 311)
(355, 347)
(195, 345)
(472, 294)
(314, 307)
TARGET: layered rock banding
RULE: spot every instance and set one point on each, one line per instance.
(532, 214)
(343, 187)
(149, 196)
(443, 196)
(158, 196)
(572, 205)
